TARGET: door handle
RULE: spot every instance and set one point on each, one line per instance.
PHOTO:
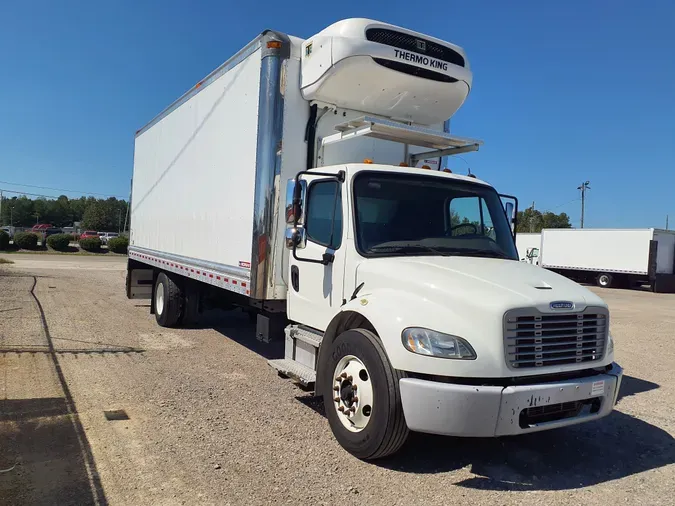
(295, 278)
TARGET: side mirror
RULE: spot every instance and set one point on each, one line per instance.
(296, 238)
(509, 211)
(295, 197)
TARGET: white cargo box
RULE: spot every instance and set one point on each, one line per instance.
(209, 170)
(648, 252)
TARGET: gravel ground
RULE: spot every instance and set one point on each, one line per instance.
(210, 423)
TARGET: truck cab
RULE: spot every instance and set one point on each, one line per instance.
(408, 294)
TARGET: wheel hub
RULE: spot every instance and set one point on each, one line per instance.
(353, 393)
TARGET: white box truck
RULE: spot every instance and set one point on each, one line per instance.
(528, 245)
(398, 289)
(612, 257)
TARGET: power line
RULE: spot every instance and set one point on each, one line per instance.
(60, 190)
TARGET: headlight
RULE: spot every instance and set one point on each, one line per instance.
(435, 344)
(610, 344)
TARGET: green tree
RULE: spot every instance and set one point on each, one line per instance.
(531, 220)
(95, 217)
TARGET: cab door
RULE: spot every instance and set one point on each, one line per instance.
(316, 277)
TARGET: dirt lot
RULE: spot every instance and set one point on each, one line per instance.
(210, 423)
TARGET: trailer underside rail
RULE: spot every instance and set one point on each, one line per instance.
(235, 279)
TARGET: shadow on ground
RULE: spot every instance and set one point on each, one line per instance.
(568, 458)
(41, 461)
(236, 326)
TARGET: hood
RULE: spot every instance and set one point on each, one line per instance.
(492, 283)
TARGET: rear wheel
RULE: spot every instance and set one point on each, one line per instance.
(604, 280)
(167, 301)
(362, 397)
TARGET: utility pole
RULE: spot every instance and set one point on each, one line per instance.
(1, 207)
(583, 187)
(666, 222)
(532, 218)
(119, 221)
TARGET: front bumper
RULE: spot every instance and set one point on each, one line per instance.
(488, 411)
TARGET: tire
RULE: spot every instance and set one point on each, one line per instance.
(167, 300)
(377, 426)
(604, 280)
(190, 306)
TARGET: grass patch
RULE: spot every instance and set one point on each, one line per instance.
(5, 261)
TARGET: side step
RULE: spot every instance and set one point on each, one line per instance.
(300, 355)
(292, 369)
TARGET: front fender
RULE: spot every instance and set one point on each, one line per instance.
(390, 311)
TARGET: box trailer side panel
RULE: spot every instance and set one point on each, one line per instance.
(620, 251)
(665, 252)
(195, 168)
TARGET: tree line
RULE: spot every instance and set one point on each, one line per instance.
(94, 214)
(531, 220)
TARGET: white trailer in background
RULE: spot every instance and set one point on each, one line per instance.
(612, 257)
(528, 245)
(397, 289)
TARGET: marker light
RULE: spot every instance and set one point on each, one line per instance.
(447, 170)
(426, 167)
(403, 164)
(274, 44)
(367, 160)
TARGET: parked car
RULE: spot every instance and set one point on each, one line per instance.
(89, 234)
(41, 227)
(52, 231)
(107, 235)
(9, 230)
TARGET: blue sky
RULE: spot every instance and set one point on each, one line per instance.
(563, 91)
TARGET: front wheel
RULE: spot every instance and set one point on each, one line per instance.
(362, 397)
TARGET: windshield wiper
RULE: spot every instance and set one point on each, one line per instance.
(407, 248)
(478, 252)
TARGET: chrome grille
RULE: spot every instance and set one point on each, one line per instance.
(534, 339)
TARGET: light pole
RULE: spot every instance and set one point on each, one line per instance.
(583, 187)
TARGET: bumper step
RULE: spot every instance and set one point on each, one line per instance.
(291, 369)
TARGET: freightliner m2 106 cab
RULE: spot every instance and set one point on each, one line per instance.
(303, 181)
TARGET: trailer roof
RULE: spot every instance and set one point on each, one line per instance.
(233, 61)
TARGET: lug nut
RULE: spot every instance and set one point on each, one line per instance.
(350, 378)
(336, 399)
(341, 409)
(355, 399)
(352, 409)
(343, 375)
(355, 387)
(336, 388)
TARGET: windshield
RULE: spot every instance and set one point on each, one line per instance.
(403, 214)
